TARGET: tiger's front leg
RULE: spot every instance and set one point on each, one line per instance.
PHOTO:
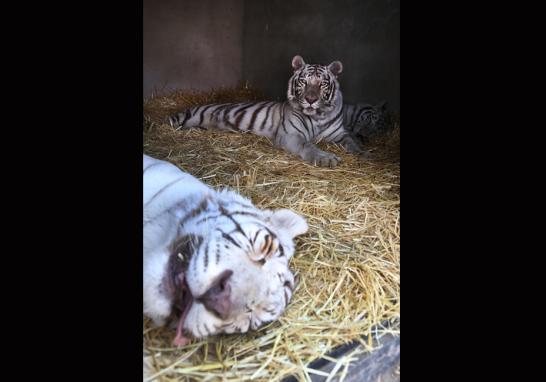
(308, 151)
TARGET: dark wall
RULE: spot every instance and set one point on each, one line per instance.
(363, 34)
(192, 44)
(206, 43)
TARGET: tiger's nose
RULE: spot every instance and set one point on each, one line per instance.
(310, 98)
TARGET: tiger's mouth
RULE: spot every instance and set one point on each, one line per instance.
(183, 305)
(217, 300)
(309, 110)
(176, 285)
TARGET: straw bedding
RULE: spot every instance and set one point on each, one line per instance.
(348, 263)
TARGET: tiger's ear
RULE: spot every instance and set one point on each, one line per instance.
(336, 67)
(290, 222)
(382, 105)
(298, 63)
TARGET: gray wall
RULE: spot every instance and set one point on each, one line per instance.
(192, 44)
(205, 44)
(363, 34)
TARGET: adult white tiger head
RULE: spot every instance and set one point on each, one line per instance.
(314, 89)
(225, 265)
(238, 273)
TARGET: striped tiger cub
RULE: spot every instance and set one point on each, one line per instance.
(364, 120)
(213, 263)
(312, 113)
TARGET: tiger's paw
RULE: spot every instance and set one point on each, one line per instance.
(325, 159)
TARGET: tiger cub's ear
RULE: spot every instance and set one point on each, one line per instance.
(298, 63)
(289, 221)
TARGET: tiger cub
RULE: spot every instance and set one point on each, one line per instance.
(365, 121)
(211, 259)
(312, 113)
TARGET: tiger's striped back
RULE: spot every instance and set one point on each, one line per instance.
(260, 118)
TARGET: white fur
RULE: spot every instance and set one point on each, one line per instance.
(259, 292)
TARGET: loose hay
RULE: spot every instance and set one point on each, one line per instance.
(348, 262)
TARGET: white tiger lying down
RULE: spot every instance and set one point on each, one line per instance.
(211, 257)
(313, 112)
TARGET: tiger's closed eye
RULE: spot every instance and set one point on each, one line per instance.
(289, 284)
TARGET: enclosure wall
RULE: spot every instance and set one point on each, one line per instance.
(363, 34)
(192, 44)
(206, 44)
